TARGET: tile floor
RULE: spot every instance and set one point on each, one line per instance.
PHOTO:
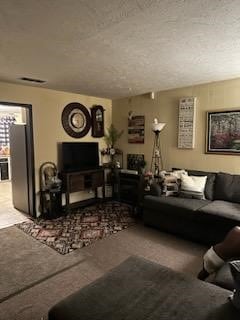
(8, 214)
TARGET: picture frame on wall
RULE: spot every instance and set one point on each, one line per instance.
(135, 161)
(136, 128)
(186, 122)
(223, 132)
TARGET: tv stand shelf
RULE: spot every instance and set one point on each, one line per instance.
(81, 181)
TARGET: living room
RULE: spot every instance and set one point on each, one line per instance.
(138, 58)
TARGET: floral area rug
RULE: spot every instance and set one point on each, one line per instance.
(82, 227)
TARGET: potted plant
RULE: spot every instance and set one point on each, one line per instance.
(111, 136)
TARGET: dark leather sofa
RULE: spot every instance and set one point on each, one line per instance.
(205, 221)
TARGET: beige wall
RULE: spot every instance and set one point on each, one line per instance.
(212, 96)
(47, 106)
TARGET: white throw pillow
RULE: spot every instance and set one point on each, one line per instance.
(178, 173)
(193, 186)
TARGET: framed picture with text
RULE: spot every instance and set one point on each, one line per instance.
(186, 122)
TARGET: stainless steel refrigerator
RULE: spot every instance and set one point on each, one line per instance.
(19, 167)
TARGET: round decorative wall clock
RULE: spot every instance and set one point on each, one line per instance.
(76, 120)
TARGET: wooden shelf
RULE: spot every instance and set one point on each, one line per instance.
(81, 181)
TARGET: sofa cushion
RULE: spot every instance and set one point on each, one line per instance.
(139, 289)
(209, 187)
(170, 184)
(193, 187)
(223, 277)
(235, 270)
(229, 210)
(178, 173)
(227, 187)
(158, 203)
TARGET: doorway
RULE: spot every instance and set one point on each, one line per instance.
(14, 115)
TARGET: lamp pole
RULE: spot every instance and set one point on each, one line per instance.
(157, 163)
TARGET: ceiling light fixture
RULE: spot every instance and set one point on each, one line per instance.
(152, 95)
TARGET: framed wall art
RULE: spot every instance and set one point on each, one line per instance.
(186, 123)
(135, 161)
(136, 129)
(223, 132)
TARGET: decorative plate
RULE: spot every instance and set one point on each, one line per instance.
(76, 120)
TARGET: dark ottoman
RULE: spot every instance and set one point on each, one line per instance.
(140, 289)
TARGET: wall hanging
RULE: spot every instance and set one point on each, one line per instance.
(136, 162)
(97, 113)
(76, 120)
(186, 123)
(136, 129)
(223, 132)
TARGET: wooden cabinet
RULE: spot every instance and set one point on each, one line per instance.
(97, 179)
(81, 181)
(129, 188)
(76, 182)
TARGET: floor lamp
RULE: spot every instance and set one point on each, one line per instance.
(157, 163)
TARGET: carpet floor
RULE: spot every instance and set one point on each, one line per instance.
(82, 227)
(34, 277)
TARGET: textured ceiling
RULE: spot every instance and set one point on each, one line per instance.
(119, 48)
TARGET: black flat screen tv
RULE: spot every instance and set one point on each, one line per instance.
(78, 156)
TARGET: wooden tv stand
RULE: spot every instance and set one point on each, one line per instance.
(80, 181)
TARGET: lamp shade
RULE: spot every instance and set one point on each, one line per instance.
(157, 127)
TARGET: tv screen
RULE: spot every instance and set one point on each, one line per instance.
(77, 156)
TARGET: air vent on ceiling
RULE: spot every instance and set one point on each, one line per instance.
(32, 80)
